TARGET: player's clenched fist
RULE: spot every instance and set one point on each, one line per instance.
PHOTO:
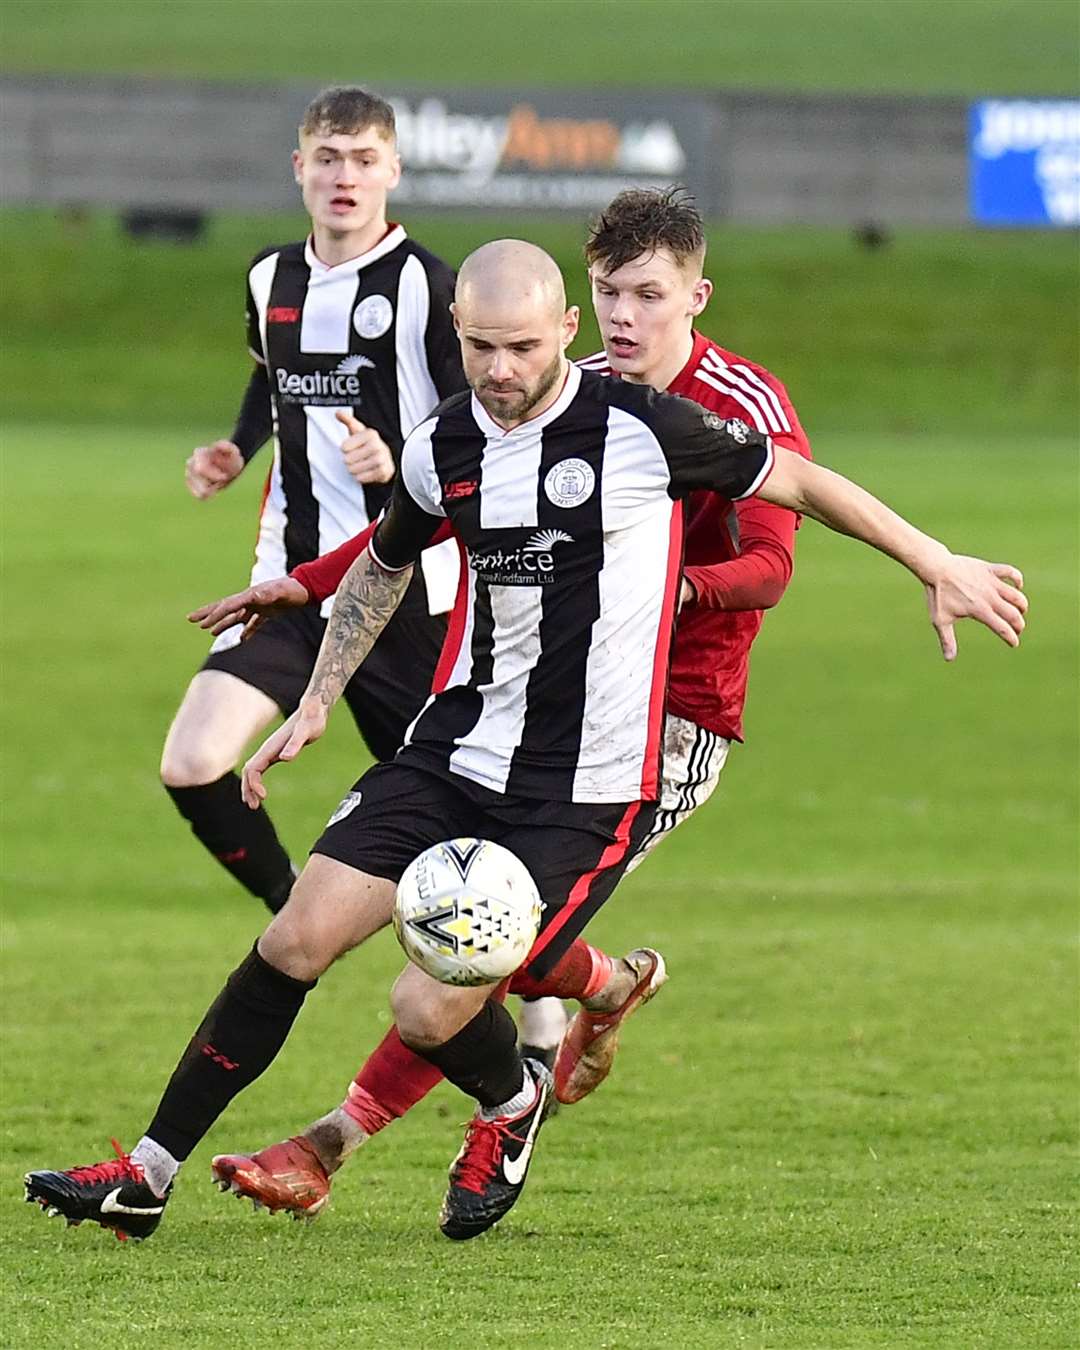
(212, 467)
(367, 456)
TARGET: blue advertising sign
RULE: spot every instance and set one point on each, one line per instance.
(1025, 162)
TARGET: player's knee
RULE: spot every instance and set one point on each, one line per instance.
(421, 1020)
(189, 763)
(217, 718)
(307, 935)
(290, 946)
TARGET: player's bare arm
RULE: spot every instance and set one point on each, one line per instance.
(210, 468)
(366, 599)
(957, 587)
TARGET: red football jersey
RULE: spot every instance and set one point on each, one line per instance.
(739, 556)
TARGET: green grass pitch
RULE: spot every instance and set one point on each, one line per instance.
(977, 47)
(939, 331)
(848, 1120)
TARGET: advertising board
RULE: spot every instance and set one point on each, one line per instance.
(548, 149)
(1025, 162)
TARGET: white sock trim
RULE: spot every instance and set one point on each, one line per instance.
(158, 1164)
(521, 1101)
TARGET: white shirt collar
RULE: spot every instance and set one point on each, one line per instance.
(386, 244)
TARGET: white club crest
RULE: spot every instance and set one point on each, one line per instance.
(734, 427)
(570, 483)
(373, 316)
(349, 804)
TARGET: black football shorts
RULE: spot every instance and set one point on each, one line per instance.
(576, 851)
(384, 695)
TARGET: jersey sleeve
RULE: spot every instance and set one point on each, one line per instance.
(254, 327)
(255, 420)
(322, 576)
(704, 450)
(440, 340)
(758, 577)
(415, 511)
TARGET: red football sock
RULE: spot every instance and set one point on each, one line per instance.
(581, 973)
(392, 1080)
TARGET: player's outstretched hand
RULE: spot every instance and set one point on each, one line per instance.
(251, 607)
(969, 588)
(306, 724)
(367, 456)
(212, 467)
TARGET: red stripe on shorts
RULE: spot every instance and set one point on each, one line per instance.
(611, 857)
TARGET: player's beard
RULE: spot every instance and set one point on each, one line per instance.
(516, 410)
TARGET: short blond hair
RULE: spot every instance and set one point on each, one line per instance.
(346, 109)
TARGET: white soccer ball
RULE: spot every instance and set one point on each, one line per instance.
(467, 911)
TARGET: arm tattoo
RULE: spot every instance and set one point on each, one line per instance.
(366, 599)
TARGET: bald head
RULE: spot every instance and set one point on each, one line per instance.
(511, 317)
(510, 276)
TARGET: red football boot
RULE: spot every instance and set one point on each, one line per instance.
(286, 1176)
(588, 1049)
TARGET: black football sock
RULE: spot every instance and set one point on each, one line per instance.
(482, 1059)
(239, 1037)
(243, 841)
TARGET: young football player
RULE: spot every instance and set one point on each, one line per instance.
(353, 345)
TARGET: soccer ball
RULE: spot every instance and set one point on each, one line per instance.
(467, 911)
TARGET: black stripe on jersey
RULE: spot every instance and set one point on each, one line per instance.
(483, 636)
(441, 346)
(457, 460)
(457, 453)
(555, 695)
(380, 409)
(254, 325)
(288, 291)
(380, 284)
(458, 710)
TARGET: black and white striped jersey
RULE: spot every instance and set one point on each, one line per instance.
(373, 335)
(553, 678)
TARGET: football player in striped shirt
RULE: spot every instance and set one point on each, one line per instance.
(645, 254)
(544, 732)
(353, 344)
